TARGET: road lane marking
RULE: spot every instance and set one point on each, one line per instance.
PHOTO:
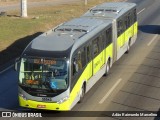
(6, 69)
(9, 67)
(153, 39)
(141, 11)
(110, 91)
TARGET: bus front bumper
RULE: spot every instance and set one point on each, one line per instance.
(44, 105)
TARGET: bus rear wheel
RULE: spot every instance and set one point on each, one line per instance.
(128, 46)
(107, 69)
(82, 92)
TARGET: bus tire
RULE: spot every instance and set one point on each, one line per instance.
(128, 46)
(82, 92)
(107, 69)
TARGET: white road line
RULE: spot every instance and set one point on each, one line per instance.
(152, 40)
(6, 69)
(110, 91)
(141, 11)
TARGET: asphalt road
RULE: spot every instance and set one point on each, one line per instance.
(134, 80)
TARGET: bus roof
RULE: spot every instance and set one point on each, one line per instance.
(110, 10)
(65, 36)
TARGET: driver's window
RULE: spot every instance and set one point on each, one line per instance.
(76, 63)
(75, 66)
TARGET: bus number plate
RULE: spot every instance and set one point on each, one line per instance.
(46, 99)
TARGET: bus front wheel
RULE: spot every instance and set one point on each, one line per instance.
(82, 92)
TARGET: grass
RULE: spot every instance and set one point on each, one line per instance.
(10, 2)
(17, 32)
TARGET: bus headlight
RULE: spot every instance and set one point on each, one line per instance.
(63, 100)
(23, 96)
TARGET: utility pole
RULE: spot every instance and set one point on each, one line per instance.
(86, 1)
(24, 8)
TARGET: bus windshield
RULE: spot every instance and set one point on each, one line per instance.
(51, 74)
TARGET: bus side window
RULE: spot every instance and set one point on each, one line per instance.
(132, 17)
(103, 41)
(88, 50)
(83, 57)
(119, 28)
(100, 41)
(79, 61)
(129, 20)
(109, 36)
(135, 15)
(126, 22)
(95, 47)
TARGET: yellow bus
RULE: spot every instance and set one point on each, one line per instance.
(58, 67)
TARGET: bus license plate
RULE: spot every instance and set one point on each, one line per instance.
(46, 99)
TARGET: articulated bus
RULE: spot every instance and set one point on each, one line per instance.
(124, 24)
(58, 67)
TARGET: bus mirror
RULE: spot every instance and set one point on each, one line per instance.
(16, 64)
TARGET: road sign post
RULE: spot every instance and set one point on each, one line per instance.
(23, 8)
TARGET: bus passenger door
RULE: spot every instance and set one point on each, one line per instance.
(97, 55)
(126, 28)
(121, 36)
(103, 40)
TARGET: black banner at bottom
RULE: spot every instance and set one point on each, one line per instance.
(79, 114)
